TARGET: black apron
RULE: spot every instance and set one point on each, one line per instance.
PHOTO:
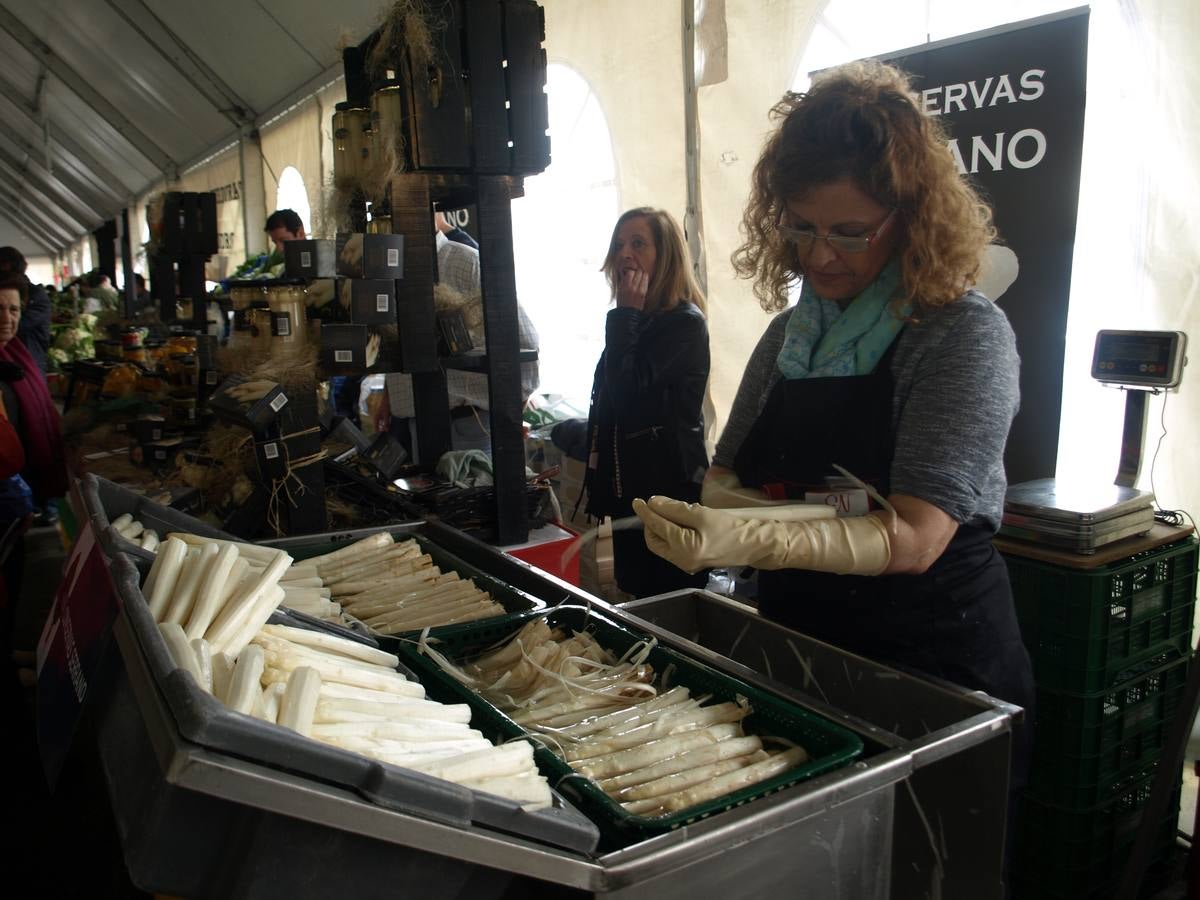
(955, 621)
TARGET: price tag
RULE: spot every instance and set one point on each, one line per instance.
(305, 259)
(72, 645)
(343, 356)
(393, 257)
(381, 303)
(271, 450)
(279, 402)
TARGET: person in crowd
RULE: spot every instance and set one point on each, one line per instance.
(645, 428)
(458, 269)
(100, 296)
(284, 225)
(453, 232)
(145, 301)
(35, 320)
(31, 411)
(889, 367)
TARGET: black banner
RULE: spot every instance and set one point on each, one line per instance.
(1012, 99)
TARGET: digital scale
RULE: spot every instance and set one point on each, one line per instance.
(1081, 517)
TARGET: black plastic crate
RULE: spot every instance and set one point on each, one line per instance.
(1067, 852)
(829, 745)
(1084, 628)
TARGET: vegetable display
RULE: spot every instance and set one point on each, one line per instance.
(654, 752)
(212, 599)
(390, 587)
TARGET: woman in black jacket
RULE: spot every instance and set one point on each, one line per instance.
(646, 427)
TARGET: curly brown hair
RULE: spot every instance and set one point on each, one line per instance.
(673, 279)
(862, 121)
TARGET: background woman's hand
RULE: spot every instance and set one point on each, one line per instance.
(631, 291)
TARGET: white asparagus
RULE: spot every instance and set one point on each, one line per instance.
(583, 705)
(272, 696)
(194, 571)
(336, 710)
(479, 611)
(300, 700)
(362, 547)
(289, 581)
(381, 747)
(691, 719)
(238, 609)
(222, 674)
(395, 560)
(211, 592)
(133, 530)
(244, 686)
(344, 672)
(528, 789)
(305, 593)
(333, 644)
(701, 756)
(257, 616)
(315, 654)
(497, 762)
(204, 662)
(164, 575)
(121, 522)
(732, 781)
(234, 583)
(639, 714)
(658, 788)
(653, 752)
(265, 555)
(431, 606)
(414, 730)
(395, 694)
(181, 651)
(149, 540)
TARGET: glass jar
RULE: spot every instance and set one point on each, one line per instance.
(288, 304)
(351, 144)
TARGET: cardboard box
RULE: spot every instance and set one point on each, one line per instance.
(274, 456)
(343, 348)
(370, 255)
(386, 455)
(371, 301)
(253, 405)
(309, 259)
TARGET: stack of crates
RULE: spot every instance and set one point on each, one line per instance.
(1110, 649)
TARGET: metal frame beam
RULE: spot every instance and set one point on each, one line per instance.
(21, 221)
(45, 204)
(35, 214)
(161, 38)
(98, 176)
(62, 182)
(139, 141)
(64, 198)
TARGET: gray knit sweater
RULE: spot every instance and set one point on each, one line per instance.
(956, 392)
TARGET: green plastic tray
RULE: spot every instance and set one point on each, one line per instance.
(829, 745)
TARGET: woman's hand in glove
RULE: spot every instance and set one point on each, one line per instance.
(694, 537)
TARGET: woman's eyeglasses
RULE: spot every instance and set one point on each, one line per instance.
(805, 238)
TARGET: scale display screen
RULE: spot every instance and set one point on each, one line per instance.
(1151, 358)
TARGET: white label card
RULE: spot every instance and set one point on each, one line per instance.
(305, 259)
(279, 402)
(271, 451)
(343, 356)
(393, 257)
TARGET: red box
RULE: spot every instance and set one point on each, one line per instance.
(547, 549)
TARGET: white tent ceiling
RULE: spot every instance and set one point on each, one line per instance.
(103, 98)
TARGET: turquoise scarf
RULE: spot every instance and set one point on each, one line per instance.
(823, 340)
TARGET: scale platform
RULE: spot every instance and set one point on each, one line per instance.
(1076, 517)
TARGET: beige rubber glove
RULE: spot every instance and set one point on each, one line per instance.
(723, 490)
(694, 537)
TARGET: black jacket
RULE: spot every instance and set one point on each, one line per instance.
(34, 327)
(646, 424)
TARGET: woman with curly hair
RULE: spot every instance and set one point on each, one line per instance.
(890, 367)
(645, 428)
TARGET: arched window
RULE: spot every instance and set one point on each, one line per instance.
(293, 195)
(561, 229)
